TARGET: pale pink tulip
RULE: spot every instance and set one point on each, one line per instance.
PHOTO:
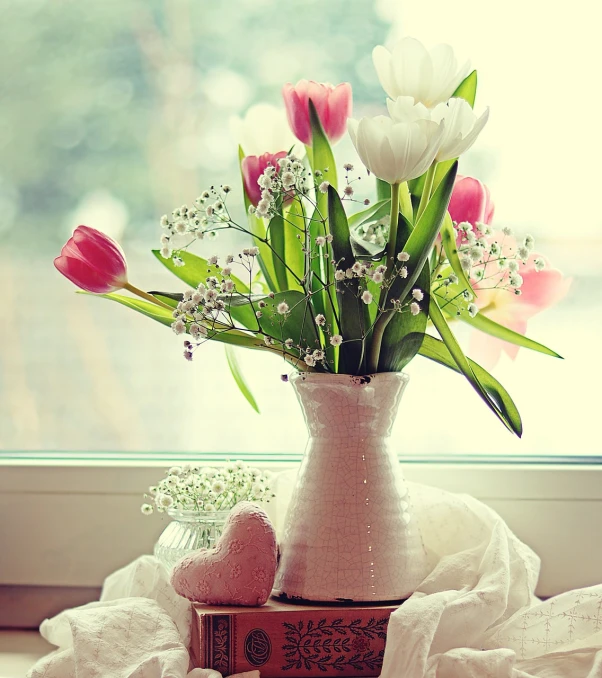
(539, 290)
(253, 166)
(470, 202)
(93, 261)
(333, 106)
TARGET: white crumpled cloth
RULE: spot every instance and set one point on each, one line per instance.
(474, 616)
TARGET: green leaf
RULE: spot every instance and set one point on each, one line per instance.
(161, 315)
(434, 349)
(294, 225)
(350, 305)
(485, 324)
(448, 238)
(422, 237)
(367, 251)
(239, 377)
(383, 189)
(374, 212)
(195, 270)
(403, 335)
(464, 366)
(240, 306)
(265, 258)
(298, 324)
(467, 89)
(275, 235)
(165, 317)
(322, 158)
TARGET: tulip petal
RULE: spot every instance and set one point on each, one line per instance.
(468, 201)
(541, 289)
(339, 107)
(101, 252)
(84, 276)
(412, 69)
(381, 58)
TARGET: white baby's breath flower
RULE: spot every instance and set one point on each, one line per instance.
(283, 308)
(164, 501)
(472, 309)
(336, 340)
(414, 308)
(418, 294)
(146, 509)
(218, 487)
(403, 256)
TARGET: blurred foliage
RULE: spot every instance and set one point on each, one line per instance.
(134, 96)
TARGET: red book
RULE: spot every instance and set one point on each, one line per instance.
(283, 639)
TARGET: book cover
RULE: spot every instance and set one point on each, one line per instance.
(283, 639)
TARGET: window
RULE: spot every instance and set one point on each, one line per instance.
(115, 112)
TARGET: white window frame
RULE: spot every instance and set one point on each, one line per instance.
(69, 524)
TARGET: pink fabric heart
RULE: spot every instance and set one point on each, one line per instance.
(240, 570)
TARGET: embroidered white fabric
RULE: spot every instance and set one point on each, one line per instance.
(474, 616)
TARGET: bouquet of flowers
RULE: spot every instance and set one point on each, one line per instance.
(332, 282)
(207, 489)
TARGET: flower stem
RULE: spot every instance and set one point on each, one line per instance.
(145, 295)
(383, 321)
(393, 228)
(426, 191)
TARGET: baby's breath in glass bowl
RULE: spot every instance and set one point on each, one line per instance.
(199, 499)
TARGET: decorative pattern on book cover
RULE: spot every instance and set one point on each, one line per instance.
(281, 639)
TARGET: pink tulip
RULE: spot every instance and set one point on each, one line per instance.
(253, 166)
(93, 261)
(470, 201)
(540, 289)
(333, 106)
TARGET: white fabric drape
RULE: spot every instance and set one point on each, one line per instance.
(474, 616)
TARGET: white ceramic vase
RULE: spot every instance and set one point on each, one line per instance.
(349, 534)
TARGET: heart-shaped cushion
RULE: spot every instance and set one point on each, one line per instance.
(239, 570)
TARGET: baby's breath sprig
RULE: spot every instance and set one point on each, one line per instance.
(208, 489)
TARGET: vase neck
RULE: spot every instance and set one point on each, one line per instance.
(342, 406)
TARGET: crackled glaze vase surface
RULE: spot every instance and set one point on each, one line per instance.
(350, 534)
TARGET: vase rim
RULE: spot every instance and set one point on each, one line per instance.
(193, 514)
(361, 380)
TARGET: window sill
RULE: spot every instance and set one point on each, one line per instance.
(69, 524)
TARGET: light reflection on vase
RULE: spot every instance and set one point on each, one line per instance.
(349, 533)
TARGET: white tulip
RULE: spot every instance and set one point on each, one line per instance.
(462, 127)
(264, 129)
(395, 151)
(431, 77)
(406, 109)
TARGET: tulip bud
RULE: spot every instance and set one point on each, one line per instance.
(252, 167)
(471, 202)
(93, 261)
(333, 106)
